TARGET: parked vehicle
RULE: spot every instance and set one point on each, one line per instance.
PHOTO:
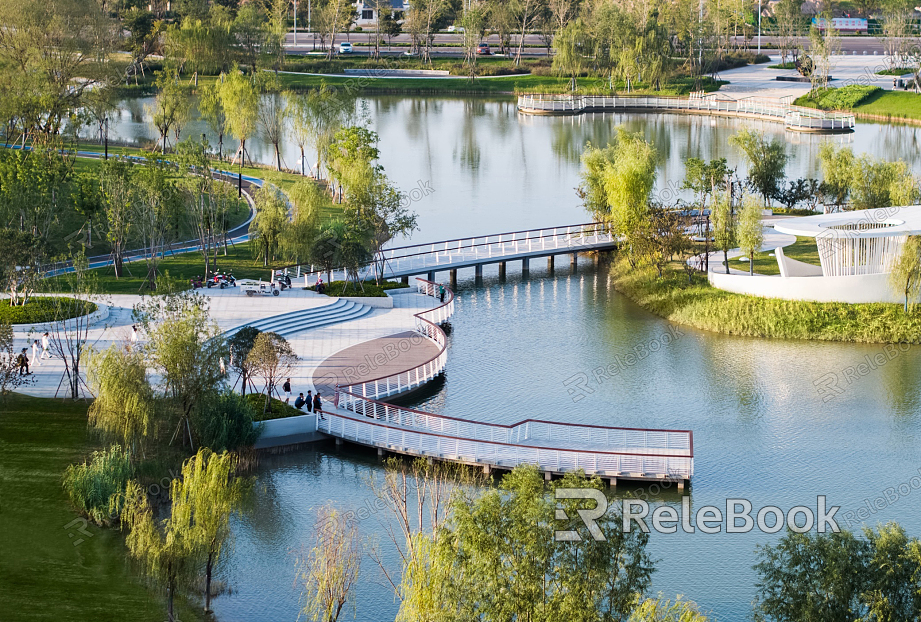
(260, 289)
(196, 282)
(345, 47)
(283, 280)
(483, 49)
(221, 281)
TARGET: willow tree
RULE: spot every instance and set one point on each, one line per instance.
(329, 572)
(571, 44)
(203, 501)
(212, 110)
(268, 225)
(171, 107)
(124, 406)
(165, 550)
(905, 277)
(750, 230)
(767, 160)
(272, 117)
(617, 185)
(271, 358)
(240, 100)
(724, 226)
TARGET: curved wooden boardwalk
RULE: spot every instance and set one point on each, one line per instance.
(361, 414)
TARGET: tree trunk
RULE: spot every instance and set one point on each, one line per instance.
(208, 569)
(726, 260)
(751, 263)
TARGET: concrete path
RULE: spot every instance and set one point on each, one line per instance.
(230, 308)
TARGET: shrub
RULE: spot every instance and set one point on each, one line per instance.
(277, 408)
(96, 488)
(225, 422)
(371, 289)
(44, 309)
(843, 98)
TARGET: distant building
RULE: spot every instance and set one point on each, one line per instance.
(367, 11)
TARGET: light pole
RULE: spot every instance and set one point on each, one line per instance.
(295, 22)
(759, 26)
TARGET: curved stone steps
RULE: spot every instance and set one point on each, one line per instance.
(296, 321)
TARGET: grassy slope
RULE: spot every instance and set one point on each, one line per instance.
(895, 104)
(43, 576)
(699, 305)
(804, 249)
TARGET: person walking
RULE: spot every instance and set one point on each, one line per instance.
(309, 400)
(23, 361)
(300, 401)
(318, 406)
(46, 346)
(134, 334)
(35, 348)
(441, 293)
(286, 387)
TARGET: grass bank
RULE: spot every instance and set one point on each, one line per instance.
(868, 102)
(699, 305)
(804, 249)
(179, 269)
(46, 571)
(44, 309)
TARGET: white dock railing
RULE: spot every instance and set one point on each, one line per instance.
(354, 396)
(639, 462)
(447, 254)
(794, 117)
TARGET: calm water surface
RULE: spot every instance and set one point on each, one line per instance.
(761, 429)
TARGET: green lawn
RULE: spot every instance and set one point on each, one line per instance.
(894, 104)
(45, 573)
(876, 102)
(804, 249)
(181, 268)
(699, 305)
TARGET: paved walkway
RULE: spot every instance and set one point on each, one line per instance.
(230, 308)
(377, 358)
(760, 80)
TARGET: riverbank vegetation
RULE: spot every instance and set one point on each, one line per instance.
(662, 268)
(868, 101)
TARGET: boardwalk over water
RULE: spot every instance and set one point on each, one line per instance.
(361, 414)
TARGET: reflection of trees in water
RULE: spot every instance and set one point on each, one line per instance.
(899, 378)
(468, 152)
(570, 134)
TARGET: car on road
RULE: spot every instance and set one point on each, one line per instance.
(345, 47)
(483, 49)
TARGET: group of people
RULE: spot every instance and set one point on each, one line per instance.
(311, 401)
(320, 287)
(24, 363)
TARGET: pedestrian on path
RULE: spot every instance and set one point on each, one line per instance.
(309, 401)
(318, 406)
(35, 348)
(441, 292)
(134, 334)
(23, 361)
(286, 387)
(46, 346)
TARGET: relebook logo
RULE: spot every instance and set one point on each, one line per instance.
(739, 516)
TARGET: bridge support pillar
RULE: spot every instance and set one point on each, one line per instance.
(478, 271)
(574, 260)
(404, 280)
(487, 470)
(431, 276)
(501, 269)
(454, 279)
(548, 475)
(596, 259)
(682, 483)
(550, 263)
(613, 482)
(338, 442)
(380, 451)
(525, 266)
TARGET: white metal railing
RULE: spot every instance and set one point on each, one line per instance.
(794, 117)
(505, 454)
(447, 254)
(551, 445)
(354, 396)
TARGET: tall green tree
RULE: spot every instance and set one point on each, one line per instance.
(767, 161)
(240, 100)
(572, 47)
(268, 225)
(124, 406)
(724, 226)
(750, 229)
(204, 499)
(330, 571)
(905, 277)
